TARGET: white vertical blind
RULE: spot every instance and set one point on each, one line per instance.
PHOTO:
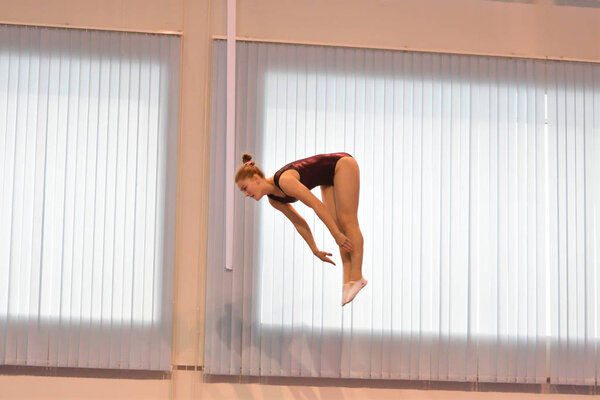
(462, 206)
(88, 125)
(573, 130)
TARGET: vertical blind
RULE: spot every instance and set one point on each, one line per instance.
(477, 205)
(573, 197)
(88, 136)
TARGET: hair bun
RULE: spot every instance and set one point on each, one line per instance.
(246, 158)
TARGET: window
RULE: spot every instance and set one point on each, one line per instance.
(478, 207)
(88, 125)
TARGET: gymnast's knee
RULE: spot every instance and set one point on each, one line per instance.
(348, 223)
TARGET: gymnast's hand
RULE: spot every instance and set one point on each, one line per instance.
(322, 255)
(343, 241)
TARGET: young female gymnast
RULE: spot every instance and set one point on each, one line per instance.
(338, 176)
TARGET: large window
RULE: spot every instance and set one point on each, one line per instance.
(478, 207)
(88, 125)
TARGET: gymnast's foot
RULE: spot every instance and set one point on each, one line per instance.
(345, 292)
(355, 287)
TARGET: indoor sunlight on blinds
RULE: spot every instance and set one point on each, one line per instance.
(463, 206)
(88, 146)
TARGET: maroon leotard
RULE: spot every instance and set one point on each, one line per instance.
(314, 171)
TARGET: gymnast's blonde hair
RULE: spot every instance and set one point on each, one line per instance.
(248, 169)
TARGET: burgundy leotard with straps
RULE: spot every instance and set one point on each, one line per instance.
(314, 171)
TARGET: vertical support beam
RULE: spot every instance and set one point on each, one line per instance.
(230, 142)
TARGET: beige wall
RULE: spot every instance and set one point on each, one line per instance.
(535, 29)
(185, 385)
(530, 28)
(129, 15)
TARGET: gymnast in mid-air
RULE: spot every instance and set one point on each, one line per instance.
(338, 176)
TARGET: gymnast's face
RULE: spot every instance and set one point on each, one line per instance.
(251, 187)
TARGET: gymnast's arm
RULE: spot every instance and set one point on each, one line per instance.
(299, 223)
(293, 187)
(302, 228)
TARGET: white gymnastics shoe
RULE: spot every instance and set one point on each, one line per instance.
(345, 292)
(354, 289)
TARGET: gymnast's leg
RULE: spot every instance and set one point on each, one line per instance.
(346, 187)
(328, 198)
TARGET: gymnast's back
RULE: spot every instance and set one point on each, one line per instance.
(314, 171)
